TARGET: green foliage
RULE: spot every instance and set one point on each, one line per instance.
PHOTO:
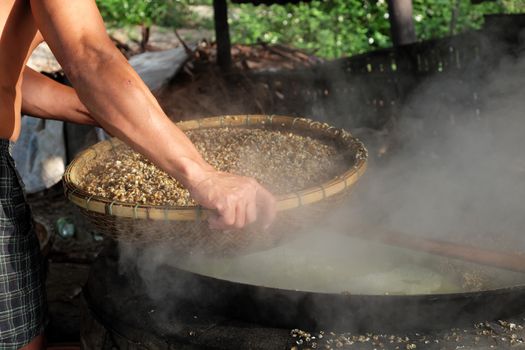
(328, 28)
(438, 18)
(332, 28)
(513, 6)
(124, 13)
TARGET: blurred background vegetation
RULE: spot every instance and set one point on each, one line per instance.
(327, 28)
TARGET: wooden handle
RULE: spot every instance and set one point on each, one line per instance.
(503, 260)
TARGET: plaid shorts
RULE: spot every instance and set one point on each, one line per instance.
(22, 289)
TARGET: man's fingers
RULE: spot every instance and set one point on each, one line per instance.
(251, 212)
(267, 207)
(240, 215)
(214, 221)
(253, 204)
(223, 219)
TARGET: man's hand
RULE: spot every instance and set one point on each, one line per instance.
(237, 200)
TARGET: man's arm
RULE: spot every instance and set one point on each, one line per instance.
(120, 102)
(45, 98)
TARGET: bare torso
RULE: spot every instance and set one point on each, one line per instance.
(19, 37)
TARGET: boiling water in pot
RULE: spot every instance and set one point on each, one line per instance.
(343, 264)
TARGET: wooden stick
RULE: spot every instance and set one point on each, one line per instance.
(504, 260)
(189, 51)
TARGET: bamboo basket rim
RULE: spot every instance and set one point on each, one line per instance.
(285, 202)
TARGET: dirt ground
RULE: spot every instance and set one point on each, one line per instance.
(204, 89)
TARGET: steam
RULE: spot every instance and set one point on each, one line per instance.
(455, 169)
(452, 167)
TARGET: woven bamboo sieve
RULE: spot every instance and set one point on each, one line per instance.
(186, 227)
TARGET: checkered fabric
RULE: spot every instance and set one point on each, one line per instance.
(22, 291)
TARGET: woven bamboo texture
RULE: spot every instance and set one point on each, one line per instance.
(186, 227)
